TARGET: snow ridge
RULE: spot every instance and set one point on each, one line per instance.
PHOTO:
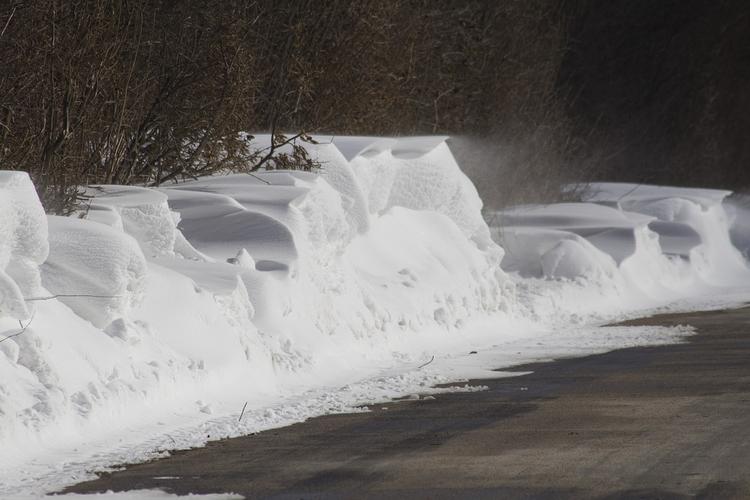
(165, 309)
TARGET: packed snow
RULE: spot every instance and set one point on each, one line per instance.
(149, 319)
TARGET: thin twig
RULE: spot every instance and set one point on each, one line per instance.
(8, 22)
(430, 361)
(23, 328)
(260, 179)
(36, 299)
(242, 412)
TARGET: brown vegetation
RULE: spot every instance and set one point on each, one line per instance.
(121, 92)
(536, 93)
(146, 91)
(662, 90)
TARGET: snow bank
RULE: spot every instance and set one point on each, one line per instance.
(337, 171)
(738, 211)
(311, 239)
(634, 240)
(163, 311)
(23, 243)
(95, 270)
(430, 181)
(551, 253)
(140, 212)
(177, 299)
(690, 223)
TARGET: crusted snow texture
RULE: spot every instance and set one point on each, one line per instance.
(738, 210)
(98, 272)
(648, 235)
(261, 277)
(227, 289)
(141, 212)
(337, 171)
(691, 223)
(552, 253)
(432, 181)
(23, 243)
(306, 234)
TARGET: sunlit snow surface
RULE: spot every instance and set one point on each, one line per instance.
(152, 318)
(136, 495)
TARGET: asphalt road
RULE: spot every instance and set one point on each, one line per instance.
(667, 422)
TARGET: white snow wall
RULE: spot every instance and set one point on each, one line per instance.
(23, 244)
(230, 280)
(162, 306)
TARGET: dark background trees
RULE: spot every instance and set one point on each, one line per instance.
(121, 92)
(661, 90)
(535, 93)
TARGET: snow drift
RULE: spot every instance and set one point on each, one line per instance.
(654, 237)
(23, 244)
(174, 305)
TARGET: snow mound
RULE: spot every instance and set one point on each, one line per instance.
(337, 171)
(165, 311)
(444, 284)
(431, 181)
(634, 236)
(738, 211)
(628, 195)
(23, 243)
(220, 226)
(140, 212)
(551, 253)
(368, 146)
(610, 230)
(304, 233)
(691, 223)
(98, 272)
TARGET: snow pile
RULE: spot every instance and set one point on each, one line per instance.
(97, 271)
(324, 257)
(652, 239)
(565, 240)
(23, 244)
(168, 309)
(432, 181)
(690, 223)
(738, 210)
(338, 172)
(140, 212)
(233, 287)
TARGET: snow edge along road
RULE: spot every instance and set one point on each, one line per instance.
(303, 294)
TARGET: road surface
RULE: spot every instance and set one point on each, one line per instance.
(665, 422)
